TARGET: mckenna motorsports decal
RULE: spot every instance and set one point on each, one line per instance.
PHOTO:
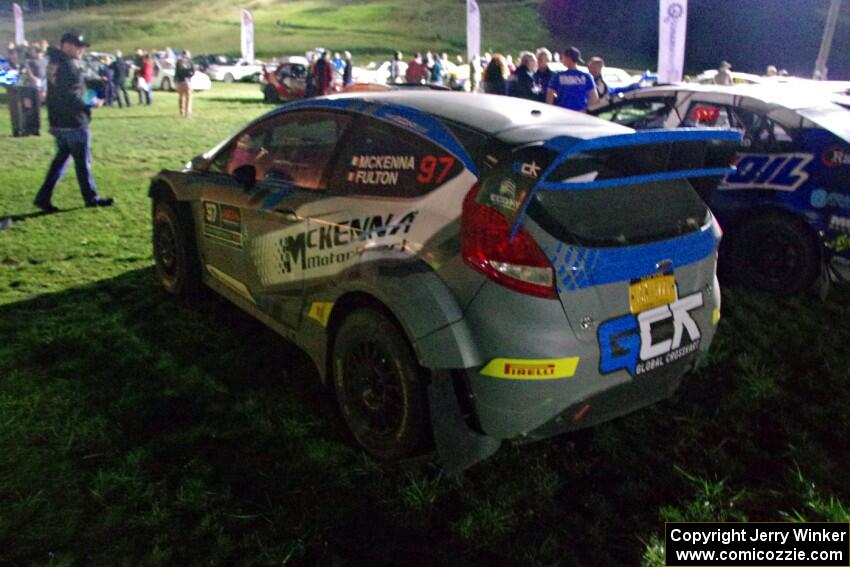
(323, 248)
(780, 172)
(223, 223)
(631, 342)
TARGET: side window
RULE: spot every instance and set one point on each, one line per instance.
(640, 114)
(222, 159)
(295, 147)
(707, 115)
(761, 134)
(383, 160)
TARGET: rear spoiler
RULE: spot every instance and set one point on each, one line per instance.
(567, 147)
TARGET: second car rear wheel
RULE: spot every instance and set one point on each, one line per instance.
(774, 253)
(379, 386)
(166, 84)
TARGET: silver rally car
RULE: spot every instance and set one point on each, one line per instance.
(463, 269)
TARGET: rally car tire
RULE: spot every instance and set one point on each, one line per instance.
(379, 386)
(776, 254)
(228, 78)
(165, 85)
(174, 251)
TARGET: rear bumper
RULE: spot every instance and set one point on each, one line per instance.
(548, 395)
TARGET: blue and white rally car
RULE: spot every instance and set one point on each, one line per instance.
(785, 211)
(463, 269)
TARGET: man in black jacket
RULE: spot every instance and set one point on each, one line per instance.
(69, 116)
(521, 83)
(120, 70)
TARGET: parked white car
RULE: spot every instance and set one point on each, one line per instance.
(375, 73)
(229, 70)
(163, 78)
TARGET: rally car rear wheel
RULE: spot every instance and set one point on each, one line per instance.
(379, 386)
(174, 252)
(776, 254)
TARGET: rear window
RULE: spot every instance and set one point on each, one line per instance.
(620, 216)
(628, 214)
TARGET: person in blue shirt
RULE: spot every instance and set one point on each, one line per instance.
(572, 89)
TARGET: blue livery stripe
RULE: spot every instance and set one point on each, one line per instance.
(635, 179)
(586, 267)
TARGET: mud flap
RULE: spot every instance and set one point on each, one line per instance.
(457, 445)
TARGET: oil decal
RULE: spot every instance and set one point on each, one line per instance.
(223, 223)
(325, 247)
(779, 172)
(519, 369)
(650, 340)
(321, 312)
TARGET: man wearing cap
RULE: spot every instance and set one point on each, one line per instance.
(69, 115)
(572, 88)
(723, 76)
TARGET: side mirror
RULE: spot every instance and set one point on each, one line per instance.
(199, 163)
(246, 176)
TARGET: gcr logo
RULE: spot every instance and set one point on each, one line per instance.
(781, 172)
(627, 343)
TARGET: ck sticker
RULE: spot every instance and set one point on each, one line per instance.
(632, 342)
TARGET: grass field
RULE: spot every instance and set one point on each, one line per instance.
(370, 29)
(137, 429)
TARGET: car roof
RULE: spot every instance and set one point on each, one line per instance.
(792, 95)
(510, 119)
(813, 101)
(299, 59)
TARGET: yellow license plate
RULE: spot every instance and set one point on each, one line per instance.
(652, 292)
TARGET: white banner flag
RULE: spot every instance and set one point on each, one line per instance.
(247, 36)
(19, 24)
(672, 29)
(473, 29)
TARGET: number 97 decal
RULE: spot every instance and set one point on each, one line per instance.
(434, 169)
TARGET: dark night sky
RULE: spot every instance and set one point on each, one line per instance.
(749, 33)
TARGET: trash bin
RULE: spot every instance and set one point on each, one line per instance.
(24, 105)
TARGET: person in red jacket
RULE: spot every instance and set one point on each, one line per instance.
(324, 75)
(144, 78)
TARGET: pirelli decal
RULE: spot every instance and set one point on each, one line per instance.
(223, 223)
(517, 369)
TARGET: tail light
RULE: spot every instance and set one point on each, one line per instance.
(518, 264)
